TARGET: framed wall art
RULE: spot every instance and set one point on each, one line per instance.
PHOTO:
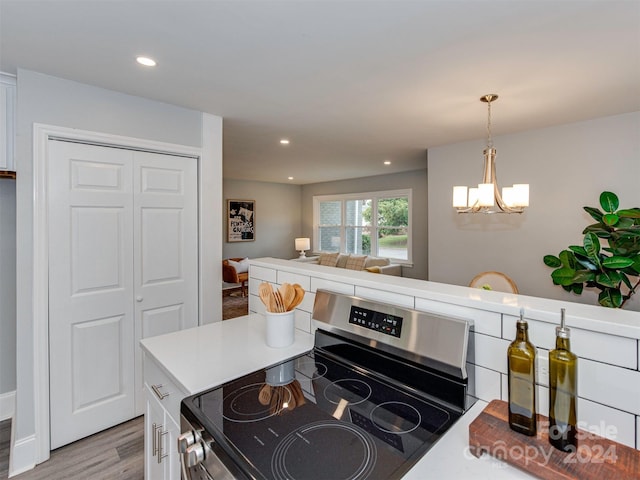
(241, 220)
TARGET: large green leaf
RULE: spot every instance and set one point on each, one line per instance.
(624, 222)
(617, 262)
(629, 213)
(609, 279)
(551, 261)
(578, 250)
(592, 246)
(595, 213)
(563, 276)
(610, 297)
(626, 281)
(577, 288)
(609, 201)
(600, 229)
(610, 219)
(568, 259)
(583, 276)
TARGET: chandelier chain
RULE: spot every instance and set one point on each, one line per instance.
(489, 139)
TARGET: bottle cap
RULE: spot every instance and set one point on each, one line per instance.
(562, 331)
(521, 321)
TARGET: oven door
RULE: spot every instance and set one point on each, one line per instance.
(202, 459)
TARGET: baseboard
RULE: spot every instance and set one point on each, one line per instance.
(7, 405)
(23, 454)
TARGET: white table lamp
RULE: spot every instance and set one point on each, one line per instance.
(303, 244)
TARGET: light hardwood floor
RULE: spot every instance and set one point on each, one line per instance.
(116, 453)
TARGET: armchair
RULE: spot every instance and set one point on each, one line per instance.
(232, 275)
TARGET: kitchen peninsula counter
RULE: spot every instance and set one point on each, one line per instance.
(207, 356)
(203, 357)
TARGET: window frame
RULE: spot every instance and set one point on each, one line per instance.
(375, 197)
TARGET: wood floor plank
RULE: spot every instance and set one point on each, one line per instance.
(114, 454)
(5, 441)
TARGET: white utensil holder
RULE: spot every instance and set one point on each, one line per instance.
(280, 329)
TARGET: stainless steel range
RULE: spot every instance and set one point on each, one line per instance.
(381, 385)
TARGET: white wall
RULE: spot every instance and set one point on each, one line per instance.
(7, 286)
(566, 166)
(415, 180)
(277, 215)
(53, 101)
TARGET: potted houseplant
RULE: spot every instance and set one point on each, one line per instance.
(608, 259)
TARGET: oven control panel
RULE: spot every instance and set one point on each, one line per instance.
(377, 321)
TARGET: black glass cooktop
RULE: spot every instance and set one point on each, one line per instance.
(316, 418)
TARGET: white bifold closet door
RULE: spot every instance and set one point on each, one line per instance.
(123, 265)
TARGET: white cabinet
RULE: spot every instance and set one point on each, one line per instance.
(161, 424)
(7, 122)
(161, 431)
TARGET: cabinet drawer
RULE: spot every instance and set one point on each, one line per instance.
(163, 388)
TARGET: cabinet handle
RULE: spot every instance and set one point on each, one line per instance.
(154, 437)
(161, 434)
(156, 390)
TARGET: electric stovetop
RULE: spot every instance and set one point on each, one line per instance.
(315, 417)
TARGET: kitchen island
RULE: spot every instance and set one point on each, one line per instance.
(190, 361)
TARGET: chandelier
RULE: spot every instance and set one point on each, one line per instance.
(486, 198)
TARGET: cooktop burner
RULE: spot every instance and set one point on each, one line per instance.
(326, 417)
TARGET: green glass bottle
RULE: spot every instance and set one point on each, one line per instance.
(563, 391)
(521, 359)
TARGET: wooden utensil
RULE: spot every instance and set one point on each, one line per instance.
(299, 296)
(279, 303)
(264, 396)
(265, 291)
(288, 294)
(296, 390)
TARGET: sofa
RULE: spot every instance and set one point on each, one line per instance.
(365, 263)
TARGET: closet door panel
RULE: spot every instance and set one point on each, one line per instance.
(165, 247)
(91, 331)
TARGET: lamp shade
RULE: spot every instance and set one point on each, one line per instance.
(303, 244)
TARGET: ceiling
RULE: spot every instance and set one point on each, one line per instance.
(351, 83)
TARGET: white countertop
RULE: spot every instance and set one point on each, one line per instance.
(450, 457)
(203, 357)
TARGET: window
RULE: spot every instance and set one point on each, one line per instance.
(375, 224)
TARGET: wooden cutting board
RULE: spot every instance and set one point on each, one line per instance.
(596, 458)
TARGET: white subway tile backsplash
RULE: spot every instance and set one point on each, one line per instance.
(604, 348)
(385, 297)
(542, 400)
(303, 320)
(609, 385)
(484, 321)
(489, 352)
(607, 422)
(338, 287)
(485, 384)
(307, 302)
(287, 277)
(542, 367)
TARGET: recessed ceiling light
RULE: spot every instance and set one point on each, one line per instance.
(290, 178)
(146, 61)
(284, 141)
(387, 162)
